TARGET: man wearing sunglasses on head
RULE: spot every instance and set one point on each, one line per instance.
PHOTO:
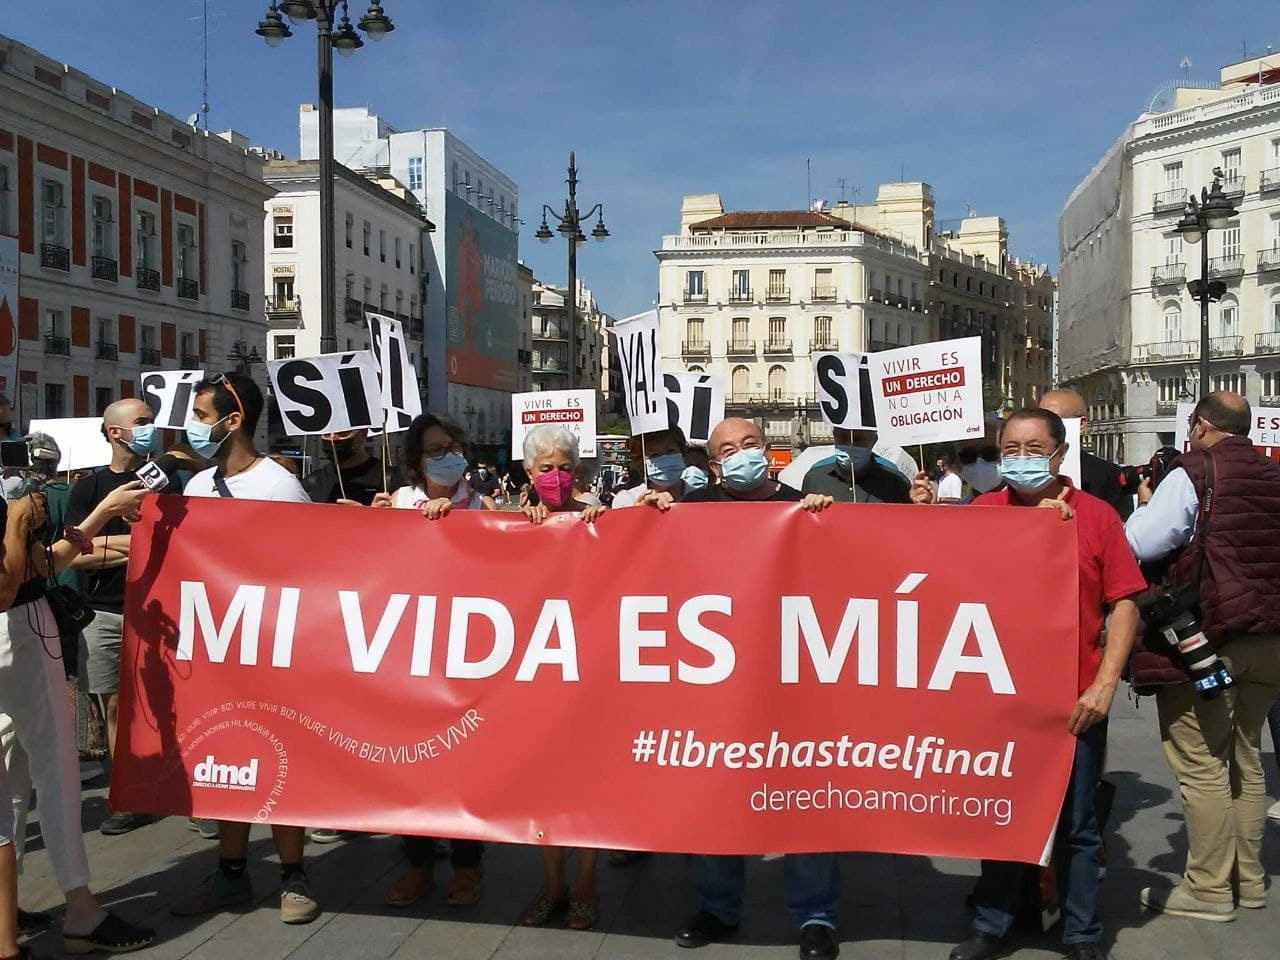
(224, 415)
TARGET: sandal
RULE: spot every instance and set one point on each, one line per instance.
(413, 885)
(543, 909)
(583, 913)
(112, 935)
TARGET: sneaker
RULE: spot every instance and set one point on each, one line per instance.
(1180, 903)
(297, 903)
(325, 835)
(1273, 811)
(217, 893)
(118, 824)
(208, 829)
(1254, 902)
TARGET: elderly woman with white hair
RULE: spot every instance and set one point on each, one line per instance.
(551, 460)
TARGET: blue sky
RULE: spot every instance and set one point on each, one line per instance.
(1002, 106)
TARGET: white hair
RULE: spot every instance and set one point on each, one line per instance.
(550, 438)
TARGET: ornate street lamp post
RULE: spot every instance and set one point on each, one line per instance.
(1213, 212)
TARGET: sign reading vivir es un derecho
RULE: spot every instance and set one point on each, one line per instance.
(826, 697)
(573, 409)
(929, 393)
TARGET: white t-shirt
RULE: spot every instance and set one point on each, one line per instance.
(950, 487)
(265, 480)
(415, 498)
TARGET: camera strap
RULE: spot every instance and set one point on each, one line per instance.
(1206, 510)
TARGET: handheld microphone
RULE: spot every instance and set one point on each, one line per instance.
(159, 474)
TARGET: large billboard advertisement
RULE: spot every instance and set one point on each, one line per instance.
(8, 315)
(482, 305)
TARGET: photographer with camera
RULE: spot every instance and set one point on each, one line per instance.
(1217, 672)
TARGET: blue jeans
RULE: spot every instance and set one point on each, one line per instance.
(1076, 850)
(810, 886)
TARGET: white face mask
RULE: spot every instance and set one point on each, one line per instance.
(981, 475)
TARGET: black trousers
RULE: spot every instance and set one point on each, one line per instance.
(463, 854)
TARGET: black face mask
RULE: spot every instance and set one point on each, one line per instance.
(342, 449)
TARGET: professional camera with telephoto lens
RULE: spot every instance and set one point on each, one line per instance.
(1174, 611)
(1154, 470)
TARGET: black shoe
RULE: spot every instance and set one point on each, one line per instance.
(704, 928)
(980, 946)
(117, 824)
(32, 921)
(1086, 951)
(818, 942)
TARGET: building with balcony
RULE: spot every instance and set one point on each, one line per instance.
(550, 338)
(1130, 331)
(139, 237)
(473, 322)
(380, 231)
(751, 295)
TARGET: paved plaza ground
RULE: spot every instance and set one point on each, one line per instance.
(895, 908)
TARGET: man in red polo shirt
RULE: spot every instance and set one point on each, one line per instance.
(1032, 448)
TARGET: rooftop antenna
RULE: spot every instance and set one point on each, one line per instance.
(844, 187)
(808, 178)
(1185, 64)
(202, 115)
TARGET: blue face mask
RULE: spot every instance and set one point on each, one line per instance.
(847, 456)
(200, 436)
(695, 478)
(664, 470)
(446, 469)
(745, 470)
(1027, 473)
(144, 439)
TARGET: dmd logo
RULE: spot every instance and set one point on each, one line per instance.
(225, 776)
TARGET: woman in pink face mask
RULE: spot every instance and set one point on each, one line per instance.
(551, 461)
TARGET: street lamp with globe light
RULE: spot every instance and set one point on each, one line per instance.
(1213, 212)
(341, 37)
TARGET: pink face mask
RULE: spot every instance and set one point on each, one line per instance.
(554, 487)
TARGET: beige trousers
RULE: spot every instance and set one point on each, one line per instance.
(1214, 748)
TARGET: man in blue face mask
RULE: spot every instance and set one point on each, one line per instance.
(129, 428)
(657, 460)
(855, 475)
(811, 884)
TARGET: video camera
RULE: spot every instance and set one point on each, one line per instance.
(1174, 611)
(35, 457)
(1154, 470)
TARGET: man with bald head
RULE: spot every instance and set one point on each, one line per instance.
(129, 428)
(811, 881)
(1098, 477)
(1215, 745)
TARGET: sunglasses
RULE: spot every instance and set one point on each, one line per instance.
(225, 381)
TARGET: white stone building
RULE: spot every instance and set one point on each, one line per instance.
(472, 358)
(140, 238)
(380, 235)
(749, 295)
(1130, 331)
(550, 329)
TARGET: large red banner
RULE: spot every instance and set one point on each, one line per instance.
(725, 678)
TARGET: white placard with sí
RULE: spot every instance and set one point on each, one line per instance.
(642, 385)
(331, 393)
(1071, 462)
(929, 393)
(574, 409)
(79, 439)
(695, 403)
(844, 390)
(170, 395)
(401, 399)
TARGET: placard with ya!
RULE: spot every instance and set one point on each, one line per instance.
(928, 393)
(331, 393)
(643, 387)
